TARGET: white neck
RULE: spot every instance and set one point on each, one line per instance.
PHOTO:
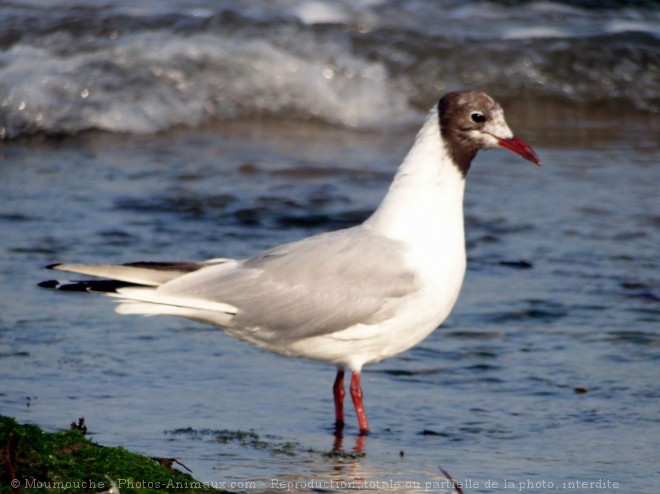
(425, 200)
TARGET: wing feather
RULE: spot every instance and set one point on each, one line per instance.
(140, 273)
(316, 286)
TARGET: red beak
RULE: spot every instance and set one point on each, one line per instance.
(519, 147)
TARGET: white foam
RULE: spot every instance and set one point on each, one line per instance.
(534, 32)
(153, 80)
(316, 12)
(621, 26)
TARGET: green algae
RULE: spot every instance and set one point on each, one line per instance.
(34, 461)
(271, 444)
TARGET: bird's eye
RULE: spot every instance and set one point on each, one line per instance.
(478, 117)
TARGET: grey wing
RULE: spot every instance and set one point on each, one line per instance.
(319, 285)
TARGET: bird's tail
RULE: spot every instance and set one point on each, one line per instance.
(134, 273)
(135, 284)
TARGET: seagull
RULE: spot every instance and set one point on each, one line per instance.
(348, 297)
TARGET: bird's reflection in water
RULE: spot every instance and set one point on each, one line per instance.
(347, 467)
(338, 443)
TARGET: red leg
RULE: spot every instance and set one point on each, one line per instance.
(356, 394)
(338, 390)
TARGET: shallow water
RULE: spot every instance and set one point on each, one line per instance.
(546, 371)
(561, 295)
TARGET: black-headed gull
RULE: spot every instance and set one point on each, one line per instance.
(349, 297)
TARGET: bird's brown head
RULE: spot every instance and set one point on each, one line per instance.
(472, 120)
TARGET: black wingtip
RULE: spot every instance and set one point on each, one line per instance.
(53, 266)
(96, 286)
(49, 284)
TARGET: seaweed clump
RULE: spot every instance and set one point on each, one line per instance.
(34, 461)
